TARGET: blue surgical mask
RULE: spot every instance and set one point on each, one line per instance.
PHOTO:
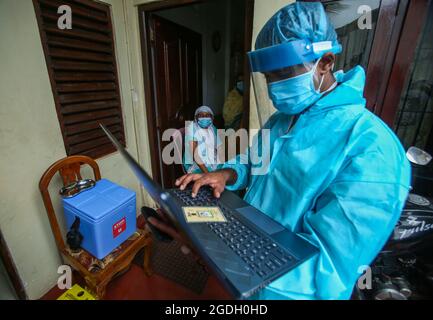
(294, 95)
(204, 122)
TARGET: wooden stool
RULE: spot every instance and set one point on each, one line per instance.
(97, 273)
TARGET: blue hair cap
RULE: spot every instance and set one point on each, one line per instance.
(301, 28)
(297, 21)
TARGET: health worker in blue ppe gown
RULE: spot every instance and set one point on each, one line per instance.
(337, 175)
(202, 143)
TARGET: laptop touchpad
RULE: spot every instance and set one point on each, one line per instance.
(260, 219)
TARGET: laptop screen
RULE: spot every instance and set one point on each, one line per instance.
(161, 197)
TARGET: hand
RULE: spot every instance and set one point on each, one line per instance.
(217, 180)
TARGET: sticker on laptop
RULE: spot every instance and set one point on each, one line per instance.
(203, 214)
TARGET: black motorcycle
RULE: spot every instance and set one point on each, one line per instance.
(404, 268)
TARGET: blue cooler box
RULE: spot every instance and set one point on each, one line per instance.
(107, 216)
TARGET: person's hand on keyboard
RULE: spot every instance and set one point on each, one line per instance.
(217, 180)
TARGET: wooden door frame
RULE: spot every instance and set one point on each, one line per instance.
(144, 11)
(11, 270)
(248, 39)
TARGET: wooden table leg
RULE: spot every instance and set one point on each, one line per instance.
(100, 291)
(92, 287)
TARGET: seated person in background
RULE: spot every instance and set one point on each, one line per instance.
(233, 106)
(201, 143)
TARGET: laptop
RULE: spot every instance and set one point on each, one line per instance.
(246, 252)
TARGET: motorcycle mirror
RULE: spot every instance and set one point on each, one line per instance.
(418, 156)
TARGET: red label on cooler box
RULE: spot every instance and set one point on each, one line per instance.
(119, 227)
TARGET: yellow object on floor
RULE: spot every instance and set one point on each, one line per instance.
(76, 293)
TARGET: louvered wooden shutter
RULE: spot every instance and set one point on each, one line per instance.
(83, 73)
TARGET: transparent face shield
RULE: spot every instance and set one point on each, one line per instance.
(281, 62)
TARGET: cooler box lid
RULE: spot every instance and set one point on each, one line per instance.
(99, 201)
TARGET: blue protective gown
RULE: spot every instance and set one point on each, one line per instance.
(339, 178)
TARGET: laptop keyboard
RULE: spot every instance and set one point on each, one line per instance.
(259, 252)
(203, 198)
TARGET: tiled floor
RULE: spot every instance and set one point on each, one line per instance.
(134, 285)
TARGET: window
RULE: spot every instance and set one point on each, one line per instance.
(82, 67)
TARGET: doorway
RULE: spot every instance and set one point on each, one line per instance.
(194, 53)
(176, 66)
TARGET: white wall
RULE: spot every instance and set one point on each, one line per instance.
(30, 140)
(263, 10)
(205, 19)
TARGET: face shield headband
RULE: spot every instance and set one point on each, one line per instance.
(289, 54)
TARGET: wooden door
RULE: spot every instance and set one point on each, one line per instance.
(397, 55)
(407, 107)
(176, 62)
(371, 47)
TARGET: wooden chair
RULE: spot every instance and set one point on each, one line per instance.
(96, 273)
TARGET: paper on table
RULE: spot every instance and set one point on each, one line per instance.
(203, 214)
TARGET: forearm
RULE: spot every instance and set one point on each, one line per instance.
(241, 172)
(230, 176)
